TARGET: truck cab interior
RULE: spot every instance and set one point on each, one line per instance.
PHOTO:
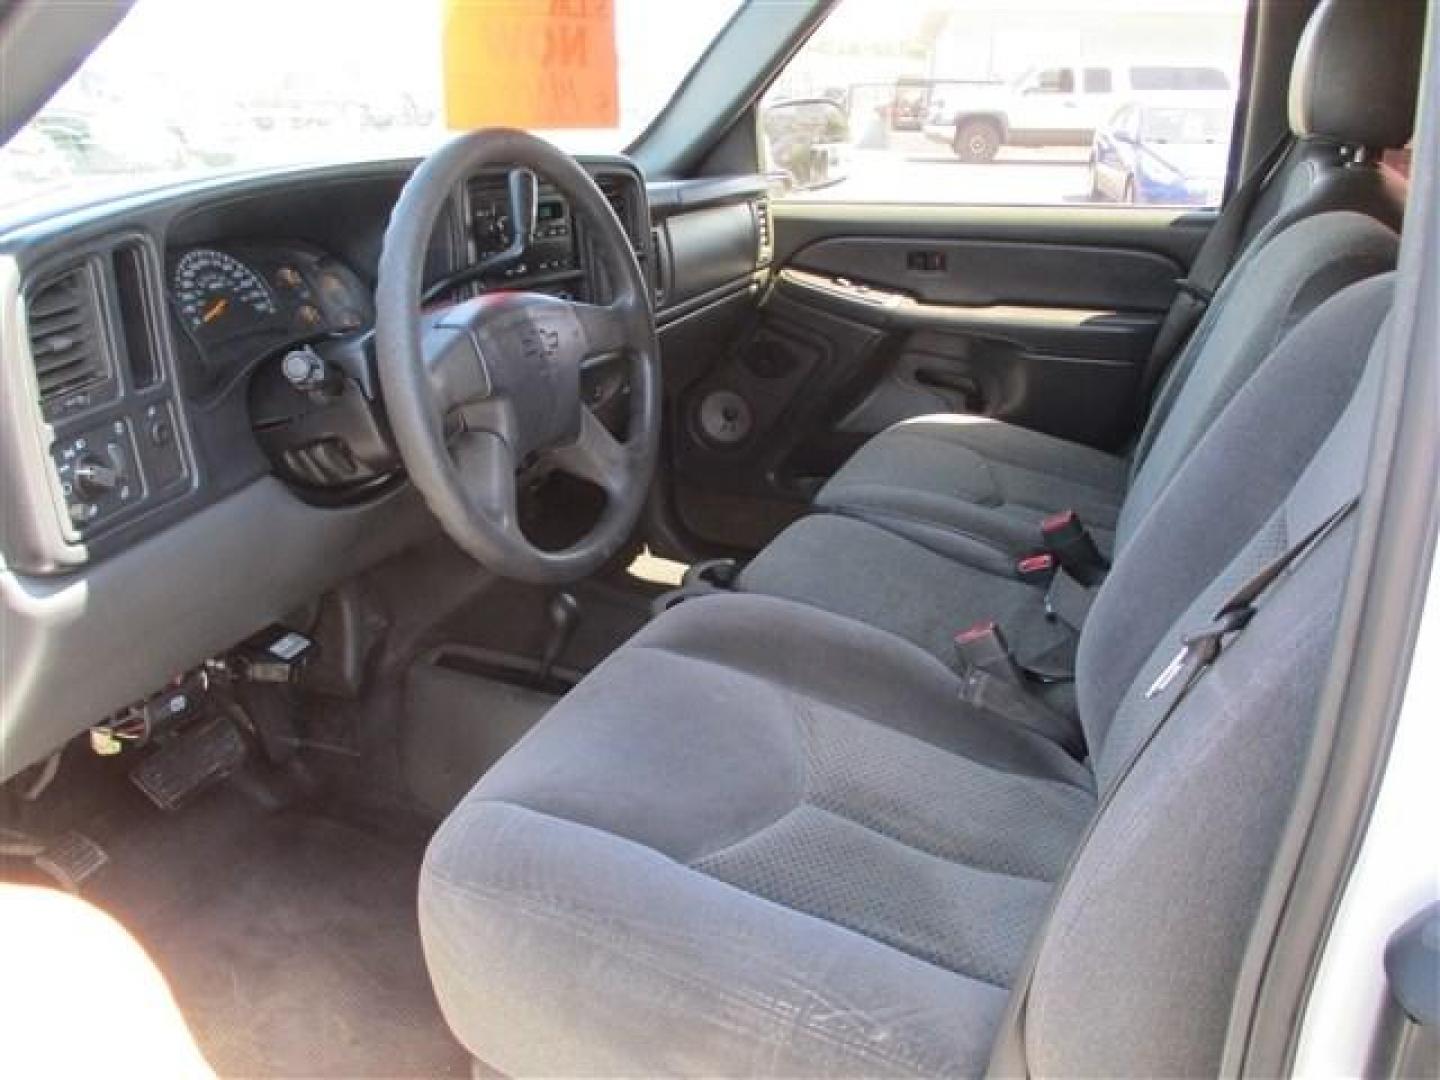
(664, 608)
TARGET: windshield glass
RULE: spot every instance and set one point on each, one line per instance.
(1185, 125)
(185, 88)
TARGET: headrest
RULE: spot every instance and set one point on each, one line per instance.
(1357, 72)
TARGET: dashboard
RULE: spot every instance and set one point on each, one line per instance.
(169, 476)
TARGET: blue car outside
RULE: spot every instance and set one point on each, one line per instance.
(1169, 154)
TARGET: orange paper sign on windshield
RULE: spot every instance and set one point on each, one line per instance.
(530, 64)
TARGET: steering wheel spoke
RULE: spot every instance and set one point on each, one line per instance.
(486, 472)
(605, 326)
(495, 415)
(453, 365)
(596, 456)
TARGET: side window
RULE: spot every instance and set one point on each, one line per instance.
(1053, 81)
(1160, 78)
(995, 102)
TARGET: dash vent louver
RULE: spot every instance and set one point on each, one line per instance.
(66, 339)
(617, 194)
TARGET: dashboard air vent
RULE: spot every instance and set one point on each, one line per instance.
(137, 321)
(617, 195)
(657, 246)
(66, 339)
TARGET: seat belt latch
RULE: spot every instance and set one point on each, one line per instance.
(1199, 650)
(1036, 569)
(1073, 547)
(984, 648)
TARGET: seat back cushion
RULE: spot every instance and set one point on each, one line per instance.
(1220, 496)
(1267, 296)
(1136, 966)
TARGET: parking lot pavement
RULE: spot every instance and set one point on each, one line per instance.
(923, 172)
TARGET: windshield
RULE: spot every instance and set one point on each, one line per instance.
(1185, 125)
(185, 88)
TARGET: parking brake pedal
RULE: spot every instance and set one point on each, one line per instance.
(71, 860)
(191, 760)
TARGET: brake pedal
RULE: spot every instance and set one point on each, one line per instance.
(193, 759)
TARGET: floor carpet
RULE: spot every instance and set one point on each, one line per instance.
(289, 938)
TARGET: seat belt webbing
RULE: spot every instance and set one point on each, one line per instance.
(1213, 262)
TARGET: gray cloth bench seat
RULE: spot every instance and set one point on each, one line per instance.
(763, 839)
(916, 582)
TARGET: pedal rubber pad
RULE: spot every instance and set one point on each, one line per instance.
(194, 759)
(72, 859)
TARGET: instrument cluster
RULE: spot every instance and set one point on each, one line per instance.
(240, 302)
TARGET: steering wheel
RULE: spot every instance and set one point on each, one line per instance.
(477, 390)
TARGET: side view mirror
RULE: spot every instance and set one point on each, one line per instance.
(809, 140)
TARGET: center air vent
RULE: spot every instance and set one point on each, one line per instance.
(66, 339)
(617, 194)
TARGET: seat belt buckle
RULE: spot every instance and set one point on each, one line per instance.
(1074, 548)
(1036, 569)
(983, 647)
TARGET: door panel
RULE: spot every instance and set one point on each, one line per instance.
(1037, 316)
(982, 272)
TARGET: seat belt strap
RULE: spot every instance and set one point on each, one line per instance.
(1212, 263)
(1198, 653)
(1068, 601)
(1198, 650)
(1018, 704)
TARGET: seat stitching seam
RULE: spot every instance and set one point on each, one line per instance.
(879, 515)
(834, 809)
(910, 845)
(839, 707)
(994, 456)
(929, 959)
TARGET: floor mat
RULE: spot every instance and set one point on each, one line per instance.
(289, 939)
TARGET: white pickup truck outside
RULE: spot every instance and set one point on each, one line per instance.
(1055, 106)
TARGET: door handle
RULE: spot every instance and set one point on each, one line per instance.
(964, 386)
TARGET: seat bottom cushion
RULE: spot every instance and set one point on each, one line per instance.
(758, 838)
(973, 486)
(885, 580)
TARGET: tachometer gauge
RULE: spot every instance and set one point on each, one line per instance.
(217, 293)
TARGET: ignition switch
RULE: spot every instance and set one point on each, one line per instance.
(306, 370)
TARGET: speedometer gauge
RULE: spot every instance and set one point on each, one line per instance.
(218, 293)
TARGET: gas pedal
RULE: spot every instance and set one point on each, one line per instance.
(192, 760)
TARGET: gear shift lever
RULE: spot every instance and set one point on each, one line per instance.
(563, 613)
